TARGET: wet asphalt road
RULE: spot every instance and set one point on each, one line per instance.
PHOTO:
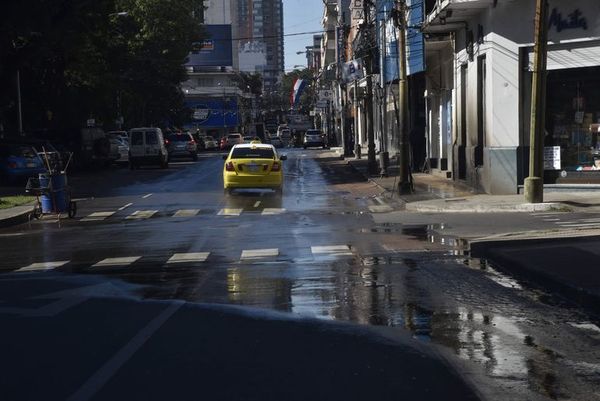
(317, 254)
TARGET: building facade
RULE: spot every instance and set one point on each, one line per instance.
(479, 65)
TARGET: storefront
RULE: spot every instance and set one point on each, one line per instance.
(572, 117)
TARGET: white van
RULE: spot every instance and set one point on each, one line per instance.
(147, 146)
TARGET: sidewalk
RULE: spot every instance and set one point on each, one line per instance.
(560, 260)
(433, 194)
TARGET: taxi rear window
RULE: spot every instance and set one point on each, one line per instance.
(249, 153)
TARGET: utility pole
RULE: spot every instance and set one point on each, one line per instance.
(357, 147)
(372, 162)
(404, 185)
(19, 107)
(534, 184)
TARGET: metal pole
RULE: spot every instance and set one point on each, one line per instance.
(372, 162)
(403, 164)
(20, 110)
(357, 147)
(534, 184)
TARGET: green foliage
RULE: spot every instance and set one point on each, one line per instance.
(96, 59)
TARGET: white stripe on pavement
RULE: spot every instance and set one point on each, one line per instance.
(581, 225)
(259, 253)
(43, 266)
(272, 210)
(186, 213)
(188, 257)
(334, 250)
(230, 212)
(98, 216)
(141, 214)
(125, 261)
(257, 204)
(125, 206)
(146, 196)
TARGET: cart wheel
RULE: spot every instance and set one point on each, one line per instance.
(72, 209)
(37, 211)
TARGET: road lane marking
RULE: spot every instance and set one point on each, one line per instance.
(186, 213)
(259, 253)
(268, 211)
(125, 261)
(98, 216)
(103, 375)
(331, 250)
(43, 266)
(188, 257)
(381, 209)
(141, 214)
(257, 204)
(125, 207)
(146, 196)
(230, 212)
(551, 219)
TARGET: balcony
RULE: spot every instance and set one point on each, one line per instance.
(450, 15)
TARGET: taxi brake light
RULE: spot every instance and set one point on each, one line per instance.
(276, 166)
(229, 166)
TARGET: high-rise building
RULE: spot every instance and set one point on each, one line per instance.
(260, 22)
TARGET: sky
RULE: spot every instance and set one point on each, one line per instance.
(300, 16)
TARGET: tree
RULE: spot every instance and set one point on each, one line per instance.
(96, 59)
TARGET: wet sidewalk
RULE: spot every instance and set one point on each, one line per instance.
(435, 194)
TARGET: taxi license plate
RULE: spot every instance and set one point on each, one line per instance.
(252, 168)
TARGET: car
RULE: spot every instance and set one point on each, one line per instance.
(277, 142)
(119, 149)
(182, 145)
(19, 162)
(234, 139)
(147, 146)
(314, 138)
(209, 143)
(286, 136)
(253, 166)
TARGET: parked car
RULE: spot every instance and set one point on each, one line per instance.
(314, 138)
(19, 162)
(182, 145)
(119, 148)
(122, 135)
(147, 146)
(209, 143)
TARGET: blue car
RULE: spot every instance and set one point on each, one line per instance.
(18, 162)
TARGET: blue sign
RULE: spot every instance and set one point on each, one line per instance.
(214, 50)
(387, 40)
(415, 43)
(213, 113)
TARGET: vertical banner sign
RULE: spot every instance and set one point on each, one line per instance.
(339, 36)
(297, 89)
(352, 70)
(415, 45)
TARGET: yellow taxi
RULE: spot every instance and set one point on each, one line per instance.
(253, 165)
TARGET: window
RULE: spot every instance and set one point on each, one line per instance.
(137, 138)
(249, 153)
(151, 138)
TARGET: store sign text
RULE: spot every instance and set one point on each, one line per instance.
(575, 20)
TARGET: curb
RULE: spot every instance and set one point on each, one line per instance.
(16, 219)
(497, 252)
(450, 207)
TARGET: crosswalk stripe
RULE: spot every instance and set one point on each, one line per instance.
(98, 216)
(331, 250)
(141, 214)
(230, 212)
(268, 211)
(186, 213)
(381, 209)
(43, 266)
(259, 253)
(188, 257)
(124, 261)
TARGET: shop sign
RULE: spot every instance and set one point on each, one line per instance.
(551, 157)
(575, 20)
(201, 114)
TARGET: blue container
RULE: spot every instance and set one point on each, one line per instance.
(56, 200)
